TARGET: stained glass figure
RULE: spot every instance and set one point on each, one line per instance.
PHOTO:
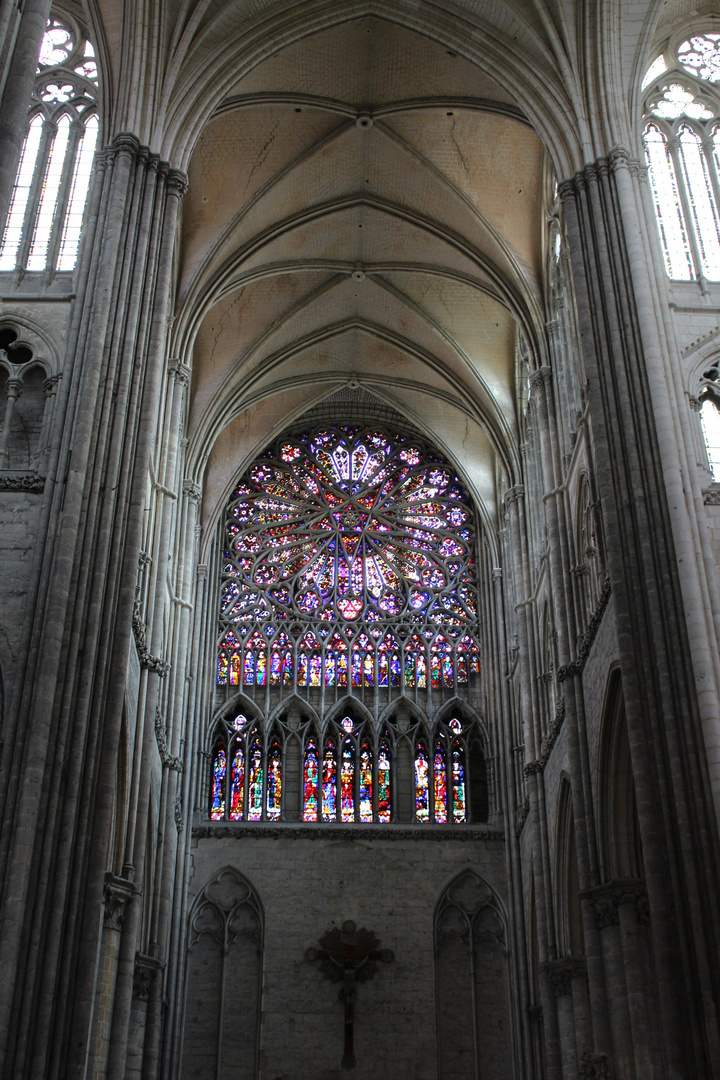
(440, 784)
(329, 783)
(274, 783)
(255, 780)
(365, 794)
(310, 782)
(459, 800)
(383, 782)
(217, 804)
(347, 781)
(422, 802)
(237, 785)
(347, 724)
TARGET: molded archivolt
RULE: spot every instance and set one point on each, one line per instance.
(223, 980)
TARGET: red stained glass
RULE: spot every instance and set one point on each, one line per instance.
(440, 784)
(237, 785)
(310, 782)
(329, 783)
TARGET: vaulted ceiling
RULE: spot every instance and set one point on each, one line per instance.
(369, 190)
(364, 208)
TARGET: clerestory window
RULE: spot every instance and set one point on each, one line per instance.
(45, 217)
(682, 151)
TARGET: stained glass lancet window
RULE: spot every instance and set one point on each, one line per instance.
(349, 562)
(681, 137)
(44, 220)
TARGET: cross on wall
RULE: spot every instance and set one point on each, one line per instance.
(350, 956)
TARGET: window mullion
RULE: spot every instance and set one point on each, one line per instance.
(708, 149)
(674, 146)
(49, 131)
(56, 230)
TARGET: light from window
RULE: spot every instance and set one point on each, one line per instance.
(654, 71)
(675, 101)
(70, 240)
(703, 207)
(21, 193)
(710, 418)
(668, 211)
(701, 55)
(51, 187)
(49, 197)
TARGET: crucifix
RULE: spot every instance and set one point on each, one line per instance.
(350, 956)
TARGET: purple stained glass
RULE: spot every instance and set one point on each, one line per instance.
(347, 781)
(237, 785)
(365, 784)
(274, 783)
(440, 784)
(329, 783)
(217, 804)
(383, 783)
(422, 802)
(255, 780)
(310, 782)
(458, 784)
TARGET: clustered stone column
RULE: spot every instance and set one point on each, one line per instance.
(63, 727)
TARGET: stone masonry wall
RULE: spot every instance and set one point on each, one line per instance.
(306, 886)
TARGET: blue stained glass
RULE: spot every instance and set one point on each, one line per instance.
(302, 669)
(383, 781)
(458, 784)
(249, 673)
(237, 785)
(255, 780)
(329, 669)
(275, 668)
(347, 781)
(274, 783)
(383, 669)
(357, 668)
(365, 796)
(329, 783)
(310, 782)
(217, 805)
(422, 802)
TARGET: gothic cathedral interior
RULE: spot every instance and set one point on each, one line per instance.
(360, 532)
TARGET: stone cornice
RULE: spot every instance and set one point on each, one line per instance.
(288, 830)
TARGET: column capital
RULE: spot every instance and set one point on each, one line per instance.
(191, 490)
(116, 896)
(514, 494)
(179, 371)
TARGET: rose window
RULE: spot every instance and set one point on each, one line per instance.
(349, 558)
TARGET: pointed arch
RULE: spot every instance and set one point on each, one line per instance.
(475, 1028)
(223, 979)
(567, 881)
(620, 846)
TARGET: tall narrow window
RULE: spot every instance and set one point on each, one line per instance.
(668, 210)
(701, 200)
(237, 788)
(310, 782)
(422, 802)
(44, 221)
(329, 784)
(710, 417)
(347, 781)
(383, 781)
(217, 808)
(440, 783)
(274, 783)
(682, 158)
(365, 784)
